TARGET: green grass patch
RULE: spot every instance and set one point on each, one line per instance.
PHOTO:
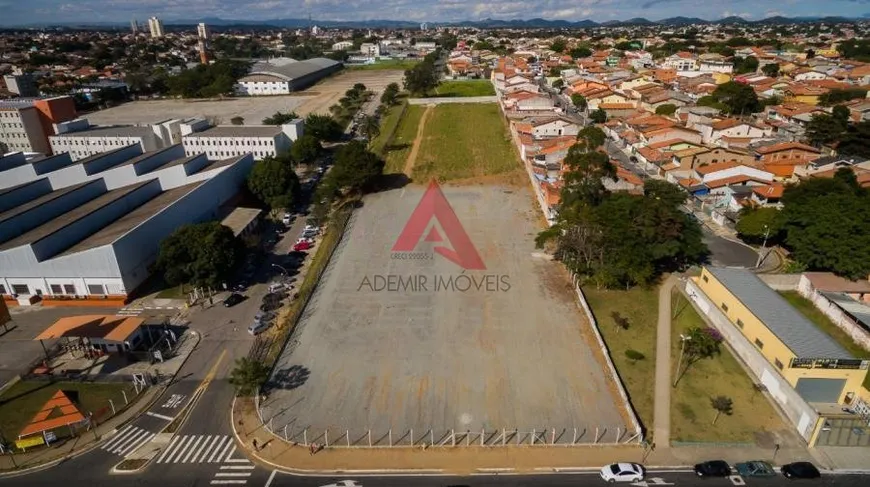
(389, 125)
(396, 152)
(20, 402)
(321, 257)
(806, 307)
(691, 413)
(463, 141)
(400, 64)
(464, 88)
(175, 292)
(640, 307)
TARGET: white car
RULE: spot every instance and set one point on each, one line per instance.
(287, 219)
(622, 472)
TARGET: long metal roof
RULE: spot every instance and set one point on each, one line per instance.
(295, 70)
(858, 310)
(791, 327)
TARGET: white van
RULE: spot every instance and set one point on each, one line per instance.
(257, 328)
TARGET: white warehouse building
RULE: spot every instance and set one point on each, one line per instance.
(284, 76)
(233, 140)
(91, 228)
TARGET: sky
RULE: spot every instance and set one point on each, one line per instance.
(18, 12)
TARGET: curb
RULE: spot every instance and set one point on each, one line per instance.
(105, 437)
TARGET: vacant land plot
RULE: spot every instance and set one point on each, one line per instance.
(753, 418)
(20, 402)
(389, 125)
(396, 152)
(464, 88)
(464, 141)
(439, 355)
(806, 307)
(640, 308)
(253, 109)
(386, 64)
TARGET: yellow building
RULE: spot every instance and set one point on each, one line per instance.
(816, 366)
(721, 78)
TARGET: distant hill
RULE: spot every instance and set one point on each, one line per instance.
(536, 23)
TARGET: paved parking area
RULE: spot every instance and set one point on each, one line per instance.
(18, 349)
(316, 99)
(507, 354)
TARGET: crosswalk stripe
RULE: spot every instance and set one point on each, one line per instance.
(128, 441)
(237, 467)
(168, 449)
(225, 482)
(229, 443)
(199, 438)
(211, 458)
(206, 447)
(118, 437)
(179, 450)
(138, 443)
(233, 474)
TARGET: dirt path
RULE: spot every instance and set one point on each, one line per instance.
(418, 141)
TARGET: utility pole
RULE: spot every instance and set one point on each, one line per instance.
(683, 340)
(763, 245)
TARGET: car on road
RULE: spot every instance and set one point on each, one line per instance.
(233, 299)
(755, 468)
(622, 472)
(800, 470)
(713, 468)
(287, 219)
(302, 244)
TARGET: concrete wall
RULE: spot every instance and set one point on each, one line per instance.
(857, 333)
(781, 282)
(802, 416)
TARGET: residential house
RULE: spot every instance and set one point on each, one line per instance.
(660, 134)
(524, 101)
(768, 195)
(681, 61)
(618, 110)
(787, 151)
(729, 127)
(715, 63)
(803, 94)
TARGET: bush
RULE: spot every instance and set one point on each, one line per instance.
(634, 355)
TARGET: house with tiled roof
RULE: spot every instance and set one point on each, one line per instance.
(802, 93)
(768, 195)
(787, 150)
(713, 131)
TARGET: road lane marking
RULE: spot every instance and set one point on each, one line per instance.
(206, 447)
(211, 458)
(271, 478)
(161, 416)
(227, 457)
(179, 450)
(233, 474)
(199, 438)
(224, 482)
(168, 449)
(238, 467)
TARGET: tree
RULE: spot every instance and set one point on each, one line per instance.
(756, 224)
(839, 96)
(274, 182)
(558, 84)
(738, 98)
(422, 78)
(305, 149)
(248, 376)
(770, 69)
(580, 52)
(359, 87)
(856, 140)
(390, 94)
(712, 102)
(558, 45)
(826, 227)
(667, 109)
(369, 127)
(598, 116)
(634, 355)
(201, 254)
(280, 118)
(701, 343)
(323, 127)
(237, 120)
(825, 129)
(745, 65)
(621, 322)
(579, 101)
(722, 405)
(355, 167)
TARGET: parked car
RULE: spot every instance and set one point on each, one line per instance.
(755, 468)
(800, 470)
(713, 468)
(276, 286)
(301, 245)
(287, 219)
(257, 328)
(311, 228)
(622, 472)
(233, 299)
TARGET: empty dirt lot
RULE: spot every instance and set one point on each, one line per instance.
(316, 99)
(509, 354)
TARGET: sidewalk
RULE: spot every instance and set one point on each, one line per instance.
(662, 394)
(46, 457)
(275, 453)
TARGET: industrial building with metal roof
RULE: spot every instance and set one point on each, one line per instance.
(282, 76)
(91, 228)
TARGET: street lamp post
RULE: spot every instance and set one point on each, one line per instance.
(763, 245)
(683, 340)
